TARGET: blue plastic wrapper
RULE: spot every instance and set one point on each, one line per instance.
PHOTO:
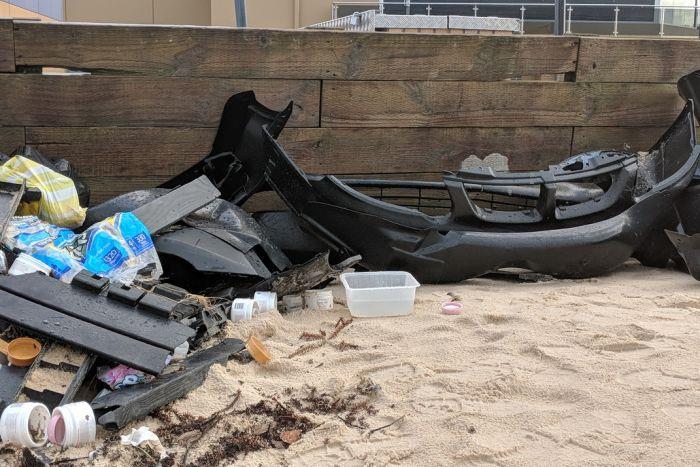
(28, 233)
(117, 248)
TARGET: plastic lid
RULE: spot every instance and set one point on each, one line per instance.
(258, 350)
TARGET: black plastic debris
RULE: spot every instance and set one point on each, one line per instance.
(116, 409)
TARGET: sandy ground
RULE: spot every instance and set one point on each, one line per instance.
(593, 372)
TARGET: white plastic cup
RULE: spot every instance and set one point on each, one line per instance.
(292, 303)
(72, 425)
(25, 424)
(243, 309)
(319, 299)
(26, 264)
(267, 301)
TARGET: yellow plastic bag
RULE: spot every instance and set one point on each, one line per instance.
(59, 204)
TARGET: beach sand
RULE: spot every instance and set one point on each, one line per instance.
(603, 371)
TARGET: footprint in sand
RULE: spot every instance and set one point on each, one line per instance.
(433, 399)
(656, 380)
(395, 373)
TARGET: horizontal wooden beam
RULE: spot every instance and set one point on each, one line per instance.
(126, 151)
(636, 60)
(164, 152)
(7, 47)
(10, 138)
(40, 100)
(504, 104)
(411, 150)
(620, 138)
(251, 53)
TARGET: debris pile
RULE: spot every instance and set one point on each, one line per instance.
(110, 312)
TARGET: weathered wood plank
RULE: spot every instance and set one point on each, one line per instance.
(636, 60)
(126, 151)
(250, 53)
(622, 138)
(133, 152)
(7, 47)
(37, 100)
(408, 150)
(105, 187)
(504, 104)
(10, 138)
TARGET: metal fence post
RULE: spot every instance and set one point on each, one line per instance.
(617, 13)
(568, 23)
(427, 9)
(476, 8)
(662, 19)
(522, 20)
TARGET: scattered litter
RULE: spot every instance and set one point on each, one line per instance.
(257, 350)
(59, 203)
(72, 425)
(21, 352)
(26, 264)
(25, 424)
(122, 376)
(319, 299)
(374, 294)
(139, 436)
(293, 303)
(452, 308)
(243, 309)
(267, 301)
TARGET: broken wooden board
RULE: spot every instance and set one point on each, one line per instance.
(57, 375)
(173, 206)
(98, 310)
(62, 327)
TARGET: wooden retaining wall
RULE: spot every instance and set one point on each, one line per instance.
(392, 105)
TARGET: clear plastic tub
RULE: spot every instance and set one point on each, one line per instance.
(382, 293)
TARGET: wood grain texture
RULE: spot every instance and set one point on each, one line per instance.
(125, 151)
(7, 47)
(408, 150)
(636, 60)
(165, 152)
(37, 100)
(504, 104)
(10, 138)
(621, 138)
(251, 53)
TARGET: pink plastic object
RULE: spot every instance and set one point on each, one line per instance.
(452, 308)
(52, 430)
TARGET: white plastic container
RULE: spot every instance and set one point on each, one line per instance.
(384, 293)
(72, 425)
(267, 301)
(26, 264)
(292, 303)
(243, 308)
(25, 424)
(319, 299)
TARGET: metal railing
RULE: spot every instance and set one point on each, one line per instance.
(616, 9)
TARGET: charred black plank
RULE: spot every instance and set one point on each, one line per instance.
(62, 327)
(98, 310)
(170, 208)
(118, 408)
